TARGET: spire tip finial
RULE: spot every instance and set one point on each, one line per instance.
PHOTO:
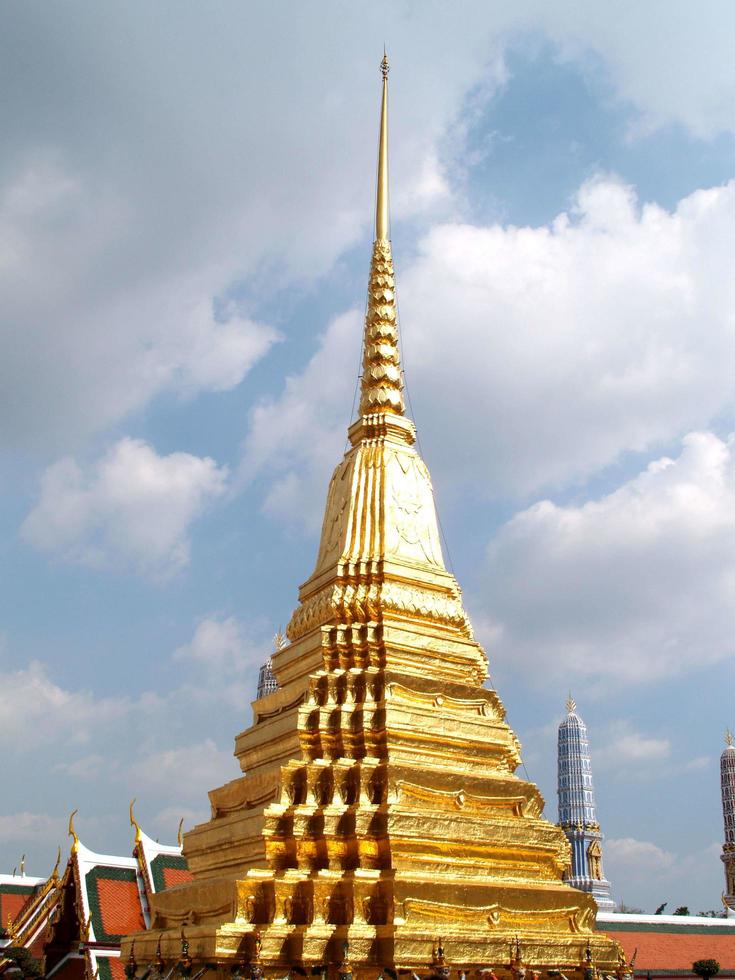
(382, 382)
(729, 737)
(384, 64)
(72, 832)
(571, 703)
(134, 822)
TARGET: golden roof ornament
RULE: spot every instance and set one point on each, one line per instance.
(729, 739)
(180, 833)
(571, 704)
(72, 832)
(134, 823)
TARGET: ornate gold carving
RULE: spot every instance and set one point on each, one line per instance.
(245, 793)
(382, 383)
(411, 526)
(517, 806)
(594, 856)
(366, 601)
(570, 918)
(467, 706)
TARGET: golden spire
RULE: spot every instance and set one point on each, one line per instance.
(73, 833)
(729, 740)
(381, 204)
(381, 367)
(134, 822)
(571, 703)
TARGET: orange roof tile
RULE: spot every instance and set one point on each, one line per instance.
(176, 876)
(119, 907)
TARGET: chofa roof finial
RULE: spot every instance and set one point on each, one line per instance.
(134, 822)
(72, 832)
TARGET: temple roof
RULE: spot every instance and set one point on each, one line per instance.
(669, 944)
(97, 900)
(16, 891)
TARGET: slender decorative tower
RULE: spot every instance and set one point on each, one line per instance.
(379, 822)
(267, 682)
(727, 784)
(577, 812)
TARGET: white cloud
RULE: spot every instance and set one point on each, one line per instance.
(34, 710)
(569, 346)
(134, 241)
(295, 440)
(574, 343)
(637, 585)
(136, 198)
(224, 654)
(656, 874)
(130, 509)
(187, 771)
(165, 746)
(24, 827)
(623, 748)
(94, 354)
(698, 763)
(86, 767)
(166, 820)
(673, 65)
(218, 643)
(626, 854)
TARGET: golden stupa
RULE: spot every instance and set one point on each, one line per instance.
(379, 822)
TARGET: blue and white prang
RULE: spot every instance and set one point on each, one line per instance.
(577, 815)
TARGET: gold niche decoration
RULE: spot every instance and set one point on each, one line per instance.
(378, 804)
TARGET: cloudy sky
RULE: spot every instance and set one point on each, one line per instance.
(185, 224)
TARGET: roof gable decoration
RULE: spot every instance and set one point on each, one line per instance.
(97, 903)
(160, 866)
(25, 904)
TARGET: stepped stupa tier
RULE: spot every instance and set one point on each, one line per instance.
(379, 821)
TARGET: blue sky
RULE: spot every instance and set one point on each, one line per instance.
(185, 223)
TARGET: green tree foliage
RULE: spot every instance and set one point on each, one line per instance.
(25, 962)
(706, 968)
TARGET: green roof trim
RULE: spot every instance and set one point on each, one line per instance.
(160, 863)
(104, 970)
(17, 889)
(666, 927)
(26, 890)
(101, 873)
(677, 973)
